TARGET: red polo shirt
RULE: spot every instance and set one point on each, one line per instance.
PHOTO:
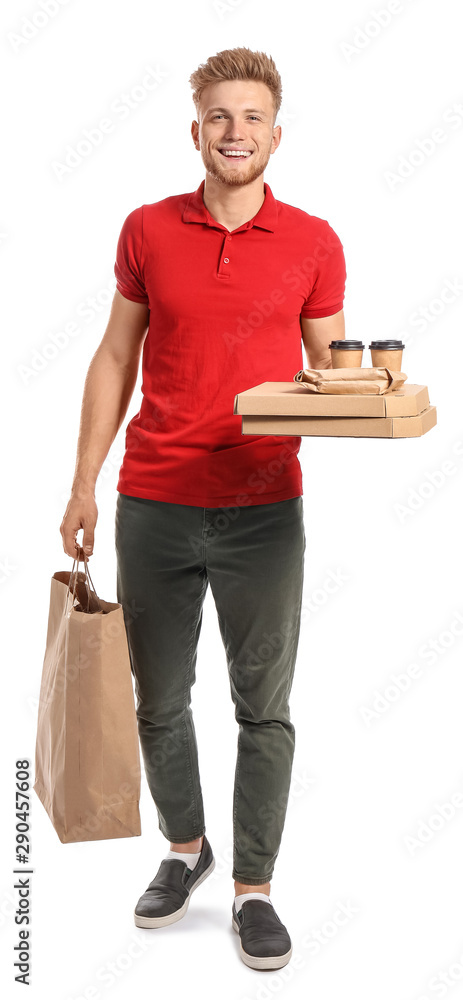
(225, 313)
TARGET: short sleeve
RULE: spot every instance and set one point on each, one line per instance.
(128, 267)
(327, 294)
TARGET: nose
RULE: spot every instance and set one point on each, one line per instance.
(235, 130)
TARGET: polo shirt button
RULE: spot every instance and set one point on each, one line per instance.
(228, 237)
(226, 260)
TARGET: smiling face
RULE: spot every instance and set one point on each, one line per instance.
(235, 134)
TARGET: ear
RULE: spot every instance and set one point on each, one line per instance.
(195, 133)
(276, 138)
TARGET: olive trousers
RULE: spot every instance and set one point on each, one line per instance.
(253, 559)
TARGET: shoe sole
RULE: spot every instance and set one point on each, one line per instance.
(261, 961)
(171, 918)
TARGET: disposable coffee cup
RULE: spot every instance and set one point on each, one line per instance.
(387, 354)
(346, 353)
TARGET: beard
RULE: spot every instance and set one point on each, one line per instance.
(236, 178)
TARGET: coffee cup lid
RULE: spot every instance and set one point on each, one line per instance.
(387, 345)
(347, 345)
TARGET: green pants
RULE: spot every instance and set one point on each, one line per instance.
(253, 558)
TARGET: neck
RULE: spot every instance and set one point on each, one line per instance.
(233, 206)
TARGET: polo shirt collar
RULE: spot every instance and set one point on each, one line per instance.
(266, 218)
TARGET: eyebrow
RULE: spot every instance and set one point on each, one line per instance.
(247, 111)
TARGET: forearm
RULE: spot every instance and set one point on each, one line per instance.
(107, 392)
(320, 361)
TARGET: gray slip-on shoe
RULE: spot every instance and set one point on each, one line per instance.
(167, 897)
(264, 940)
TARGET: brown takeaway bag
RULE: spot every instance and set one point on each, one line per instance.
(87, 759)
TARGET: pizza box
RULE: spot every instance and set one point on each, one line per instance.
(341, 426)
(292, 399)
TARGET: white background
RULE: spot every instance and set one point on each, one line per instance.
(385, 514)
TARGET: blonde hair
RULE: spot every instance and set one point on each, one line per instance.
(237, 64)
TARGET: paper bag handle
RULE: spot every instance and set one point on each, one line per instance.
(78, 558)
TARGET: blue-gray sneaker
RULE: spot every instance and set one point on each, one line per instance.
(168, 895)
(264, 940)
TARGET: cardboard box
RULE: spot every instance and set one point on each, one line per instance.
(386, 427)
(287, 408)
(290, 399)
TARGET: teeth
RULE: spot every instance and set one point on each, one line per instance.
(235, 152)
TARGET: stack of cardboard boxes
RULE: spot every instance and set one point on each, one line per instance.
(288, 408)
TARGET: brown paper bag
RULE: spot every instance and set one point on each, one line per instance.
(340, 381)
(87, 760)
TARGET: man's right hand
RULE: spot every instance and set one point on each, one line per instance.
(81, 512)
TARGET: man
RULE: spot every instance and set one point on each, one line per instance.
(216, 286)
